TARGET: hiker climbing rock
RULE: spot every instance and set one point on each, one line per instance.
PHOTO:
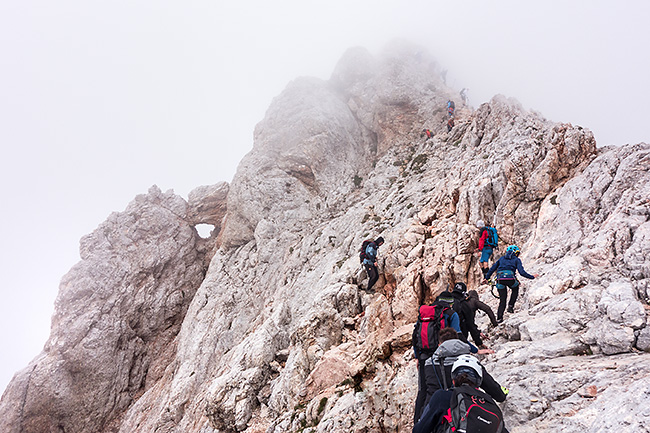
(465, 313)
(475, 304)
(506, 268)
(451, 107)
(465, 408)
(463, 95)
(428, 133)
(431, 319)
(450, 124)
(368, 256)
(488, 240)
(437, 368)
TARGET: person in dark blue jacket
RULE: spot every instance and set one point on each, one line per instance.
(506, 268)
(370, 261)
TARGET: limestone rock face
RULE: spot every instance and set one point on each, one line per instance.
(207, 204)
(278, 334)
(115, 322)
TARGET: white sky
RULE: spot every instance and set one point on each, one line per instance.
(100, 99)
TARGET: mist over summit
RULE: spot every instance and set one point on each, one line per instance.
(263, 327)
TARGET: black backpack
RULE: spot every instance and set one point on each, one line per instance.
(471, 411)
(431, 319)
(364, 245)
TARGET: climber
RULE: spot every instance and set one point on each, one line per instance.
(428, 133)
(451, 106)
(488, 240)
(450, 124)
(463, 95)
(431, 319)
(437, 368)
(475, 304)
(370, 261)
(447, 307)
(467, 375)
(465, 313)
(506, 268)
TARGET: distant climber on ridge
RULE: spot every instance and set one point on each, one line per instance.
(463, 95)
(506, 268)
(428, 133)
(450, 124)
(369, 251)
(488, 240)
(451, 106)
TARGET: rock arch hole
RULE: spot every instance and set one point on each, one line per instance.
(204, 230)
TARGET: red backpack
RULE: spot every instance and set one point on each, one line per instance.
(431, 319)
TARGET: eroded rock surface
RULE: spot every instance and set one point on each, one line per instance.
(115, 323)
(279, 337)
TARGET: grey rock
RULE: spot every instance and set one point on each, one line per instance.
(116, 319)
(276, 336)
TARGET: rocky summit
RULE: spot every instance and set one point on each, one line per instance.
(264, 327)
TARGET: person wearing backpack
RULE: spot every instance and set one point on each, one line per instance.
(464, 408)
(368, 256)
(488, 240)
(446, 311)
(506, 268)
(451, 106)
(450, 124)
(475, 304)
(431, 319)
(465, 314)
(437, 368)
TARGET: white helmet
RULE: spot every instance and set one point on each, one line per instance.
(465, 362)
(480, 224)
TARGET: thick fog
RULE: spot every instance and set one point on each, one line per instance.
(100, 100)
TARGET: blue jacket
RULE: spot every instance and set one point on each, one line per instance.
(371, 254)
(509, 262)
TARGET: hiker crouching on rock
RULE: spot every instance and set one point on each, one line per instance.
(370, 261)
(506, 268)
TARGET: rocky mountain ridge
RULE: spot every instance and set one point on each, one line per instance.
(264, 328)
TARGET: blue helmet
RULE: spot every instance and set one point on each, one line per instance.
(514, 249)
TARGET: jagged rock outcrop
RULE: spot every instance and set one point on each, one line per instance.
(115, 322)
(279, 337)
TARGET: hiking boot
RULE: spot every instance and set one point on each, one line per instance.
(511, 309)
(500, 320)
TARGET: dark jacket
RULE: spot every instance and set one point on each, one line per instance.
(509, 262)
(475, 304)
(446, 354)
(432, 415)
(466, 316)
